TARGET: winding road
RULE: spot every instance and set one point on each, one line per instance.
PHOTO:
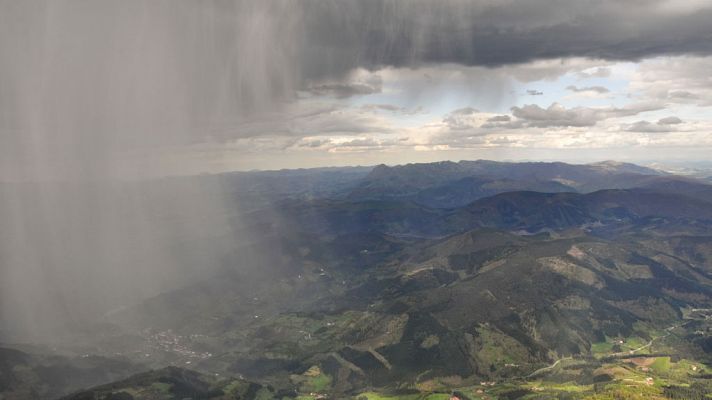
(650, 343)
(552, 366)
(619, 354)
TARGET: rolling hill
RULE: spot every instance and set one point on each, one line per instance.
(398, 286)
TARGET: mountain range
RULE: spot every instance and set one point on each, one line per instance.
(493, 279)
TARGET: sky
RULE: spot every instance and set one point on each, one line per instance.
(142, 89)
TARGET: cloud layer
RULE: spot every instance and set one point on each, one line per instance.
(97, 80)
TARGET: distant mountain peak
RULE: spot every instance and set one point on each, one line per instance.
(451, 184)
(624, 167)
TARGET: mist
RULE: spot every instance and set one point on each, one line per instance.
(93, 97)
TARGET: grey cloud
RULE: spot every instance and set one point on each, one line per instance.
(683, 80)
(502, 121)
(682, 94)
(314, 143)
(465, 122)
(500, 118)
(534, 116)
(312, 120)
(666, 124)
(460, 119)
(343, 90)
(647, 126)
(392, 108)
(348, 122)
(548, 69)
(363, 142)
(465, 111)
(557, 115)
(594, 89)
(669, 121)
(554, 115)
(386, 107)
(533, 92)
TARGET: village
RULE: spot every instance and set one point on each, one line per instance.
(168, 341)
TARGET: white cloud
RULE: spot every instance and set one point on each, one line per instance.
(681, 80)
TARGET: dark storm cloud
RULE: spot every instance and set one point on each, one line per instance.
(600, 72)
(376, 33)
